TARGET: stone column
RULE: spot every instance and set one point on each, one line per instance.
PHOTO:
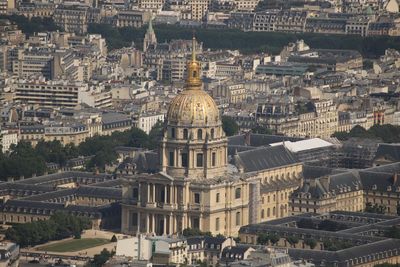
(165, 225)
(165, 193)
(153, 226)
(148, 223)
(138, 223)
(171, 229)
(154, 194)
(139, 192)
(148, 192)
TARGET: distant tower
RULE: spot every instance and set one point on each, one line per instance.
(150, 39)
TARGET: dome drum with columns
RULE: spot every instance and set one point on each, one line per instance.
(194, 144)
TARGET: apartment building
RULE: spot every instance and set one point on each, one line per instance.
(132, 18)
(8, 138)
(198, 9)
(146, 121)
(284, 20)
(51, 94)
(235, 93)
(151, 5)
(61, 93)
(71, 18)
(33, 61)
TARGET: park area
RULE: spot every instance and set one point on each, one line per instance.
(73, 245)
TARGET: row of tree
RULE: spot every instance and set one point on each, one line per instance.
(25, 160)
(60, 225)
(273, 42)
(387, 133)
(248, 42)
(35, 24)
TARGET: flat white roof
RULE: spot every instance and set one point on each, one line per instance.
(303, 144)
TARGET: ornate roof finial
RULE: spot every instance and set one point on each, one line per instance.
(193, 81)
(193, 48)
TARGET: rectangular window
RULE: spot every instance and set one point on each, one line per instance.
(216, 224)
(197, 198)
(134, 220)
(213, 159)
(238, 218)
(196, 223)
(217, 198)
(199, 161)
(184, 159)
(171, 158)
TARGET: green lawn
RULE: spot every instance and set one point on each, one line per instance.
(75, 245)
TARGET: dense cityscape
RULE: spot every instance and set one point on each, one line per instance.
(204, 133)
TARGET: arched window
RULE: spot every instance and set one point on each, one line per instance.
(185, 134)
(238, 192)
(194, 74)
(199, 134)
(268, 212)
(212, 133)
(262, 214)
(273, 211)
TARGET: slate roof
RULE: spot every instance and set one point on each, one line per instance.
(257, 140)
(51, 178)
(235, 253)
(388, 151)
(343, 257)
(87, 191)
(264, 158)
(146, 162)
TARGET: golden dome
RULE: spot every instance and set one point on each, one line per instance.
(193, 106)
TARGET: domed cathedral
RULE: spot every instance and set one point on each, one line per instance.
(195, 187)
(194, 144)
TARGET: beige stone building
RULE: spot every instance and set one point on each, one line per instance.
(327, 190)
(195, 186)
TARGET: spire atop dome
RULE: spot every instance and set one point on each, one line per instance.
(193, 81)
(193, 49)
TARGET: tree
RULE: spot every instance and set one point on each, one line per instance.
(100, 259)
(263, 239)
(261, 130)
(274, 238)
(155, 135)
(310, 242)
(229, 126)
(60, 225)
(379, 209)
(292, 240)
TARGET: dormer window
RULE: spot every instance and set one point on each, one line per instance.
(389, 188)
(374, 187)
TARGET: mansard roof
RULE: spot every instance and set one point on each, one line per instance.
(264, 158)
(388, 151)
